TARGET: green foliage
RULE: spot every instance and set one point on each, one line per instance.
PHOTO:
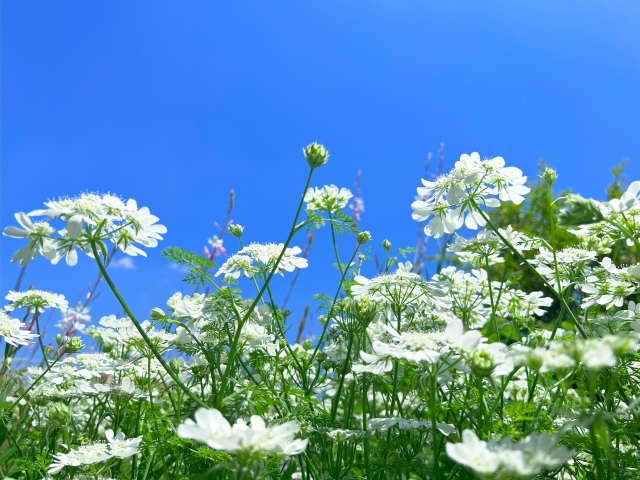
(197, 264)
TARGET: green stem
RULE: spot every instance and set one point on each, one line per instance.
(336, 399)
(36, 318)
(521, 257)
(329, 315)
(34, 383)
(143, 334)
(241, 322)
(335, 245)
(434, 425)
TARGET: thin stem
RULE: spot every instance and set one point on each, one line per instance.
(521, 257)
(241, 321)
(434, 425)
(143, 334)
(44, 350)
(330, 314)
(336, 399)
(335, 245)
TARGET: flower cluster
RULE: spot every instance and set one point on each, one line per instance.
(473, 183)
(327, 199)
(88, 218)
(117, 446)
(248, 261)
(510, 353)
(211, 428)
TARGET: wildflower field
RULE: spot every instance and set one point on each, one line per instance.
(507, 349)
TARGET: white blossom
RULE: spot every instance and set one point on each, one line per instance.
(211, 428)
(13, 332)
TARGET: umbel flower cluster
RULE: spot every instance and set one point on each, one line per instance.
(515, 358)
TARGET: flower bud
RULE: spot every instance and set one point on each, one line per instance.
(549, 176)
(386, 244)
(75, 345)
(482, 363)
(58, 414)
(175, 365)
(316, 155)
(364, 237)
(236, 230)
(365, 310)
(307, 344)
(157, 314)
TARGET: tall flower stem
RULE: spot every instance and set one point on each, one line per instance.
(521, 257)
(143, 334)
(335, 245)
(330, 314)
(242, 321)
(336, 399)
(36, 316)
(434, 424)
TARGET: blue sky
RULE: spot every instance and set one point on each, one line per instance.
(175, 103)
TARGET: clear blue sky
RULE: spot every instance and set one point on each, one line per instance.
(175, 103)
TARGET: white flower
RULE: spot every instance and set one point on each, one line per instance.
(401, 287)
(38, 234)
(381, 361)
(328, 198)
(214, 430)
(121, 447)
(122, 223)
(340, 435)
(12, 330)
(35, 299)
(609, 294)
(474, 454)
(266, 254)
(216, 242)
(473, 183)
(84, 455)
(187, 307)
(117, 446)
(527, 458)
(384, 424)
(235, 265)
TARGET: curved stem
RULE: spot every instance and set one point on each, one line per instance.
(330, 314)
(143, 334)
(335, 245)
(44, 350)
(34, 383)
(336, 399)
(241, 321)
(521, 257)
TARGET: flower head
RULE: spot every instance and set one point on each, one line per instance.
(12, 330)
(211, 428)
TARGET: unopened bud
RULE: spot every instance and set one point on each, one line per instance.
(316, 155)
(175, 365)
(157, 314)
(75, 345)
(386, 244)
(482, 363)
(549, 176)
(58, 414)
(236, 230)
(364, 237)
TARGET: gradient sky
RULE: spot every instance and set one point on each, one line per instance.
(175, 103)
